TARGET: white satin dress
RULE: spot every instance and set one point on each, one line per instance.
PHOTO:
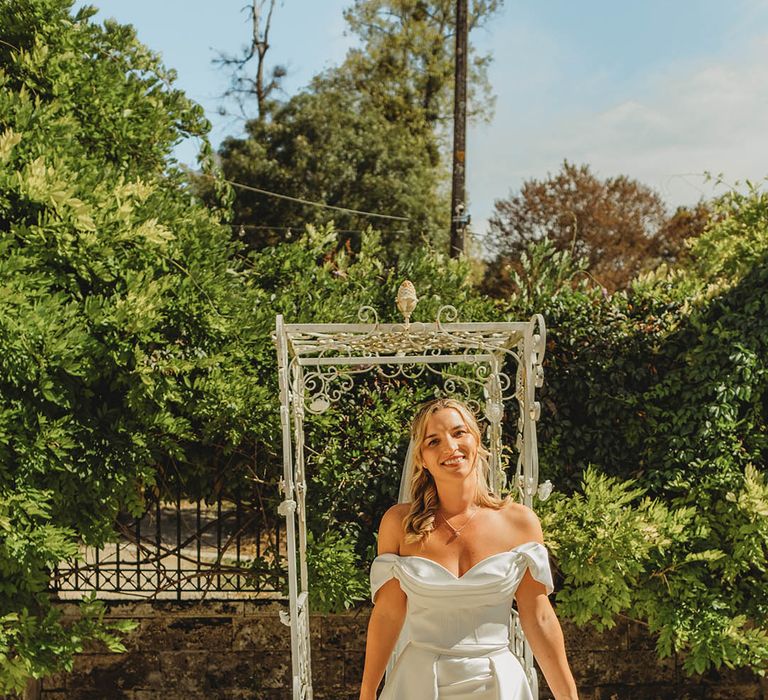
(455, 639)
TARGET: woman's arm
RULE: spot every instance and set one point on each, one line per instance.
(542, 630)
(539, 622)
(388, 612)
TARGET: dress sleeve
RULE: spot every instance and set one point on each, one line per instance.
(537, 559)
(384, 567)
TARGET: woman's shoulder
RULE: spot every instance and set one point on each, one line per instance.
(523, 521)
(398, 509)
(391, 528)
(395, 514)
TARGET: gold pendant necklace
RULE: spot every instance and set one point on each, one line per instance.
(455, 531)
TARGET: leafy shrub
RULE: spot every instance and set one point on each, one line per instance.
(621, 553)
(123, 311)
(666, 387)
(336, 579)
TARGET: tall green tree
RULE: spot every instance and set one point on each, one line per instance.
(329, 146)
(406, 58)
(366, 135)
(121, 310)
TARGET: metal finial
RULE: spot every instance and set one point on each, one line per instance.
(407, 300)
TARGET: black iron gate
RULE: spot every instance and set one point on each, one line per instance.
(184, 549)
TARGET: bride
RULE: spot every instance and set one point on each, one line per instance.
(450, 562)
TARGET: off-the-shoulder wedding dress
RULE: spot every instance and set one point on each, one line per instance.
(455, 640)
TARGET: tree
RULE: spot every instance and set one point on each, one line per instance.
(327, 146)
(124, 313)
(365, 135)
(243, 86)
(406, 61)
(684, 226)
(619, 225)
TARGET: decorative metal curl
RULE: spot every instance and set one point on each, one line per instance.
(412, 371)
(366, 313)
(318, 394)
(446, 314)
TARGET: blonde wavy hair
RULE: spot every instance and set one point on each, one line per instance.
(420, 520)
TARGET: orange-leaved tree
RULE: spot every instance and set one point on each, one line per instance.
(619, 225)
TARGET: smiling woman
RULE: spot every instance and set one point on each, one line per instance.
(450, 563)
(448, 459)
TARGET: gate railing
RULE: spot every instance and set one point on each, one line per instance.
(184, 549)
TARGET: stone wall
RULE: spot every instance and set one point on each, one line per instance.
(212, 650)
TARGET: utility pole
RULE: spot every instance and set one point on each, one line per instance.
(459, 216)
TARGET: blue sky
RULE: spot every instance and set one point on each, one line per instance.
(662, 91)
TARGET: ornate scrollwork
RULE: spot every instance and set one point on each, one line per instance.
(446, 314)
(367, 314)
(389, 348)
(412, 371)
(373, 339)
(324, 385)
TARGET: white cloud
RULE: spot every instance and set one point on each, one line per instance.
(690, 119)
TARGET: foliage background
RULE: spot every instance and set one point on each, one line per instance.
(135, 352)
(123, 317)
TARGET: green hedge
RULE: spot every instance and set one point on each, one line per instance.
(664, 389)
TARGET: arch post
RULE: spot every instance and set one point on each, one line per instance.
(298, 615)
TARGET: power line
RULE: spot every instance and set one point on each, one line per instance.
(299, 227)
(308, 202)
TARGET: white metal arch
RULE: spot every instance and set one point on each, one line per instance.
(316, 365)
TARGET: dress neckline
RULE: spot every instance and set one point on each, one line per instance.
(471, 568)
